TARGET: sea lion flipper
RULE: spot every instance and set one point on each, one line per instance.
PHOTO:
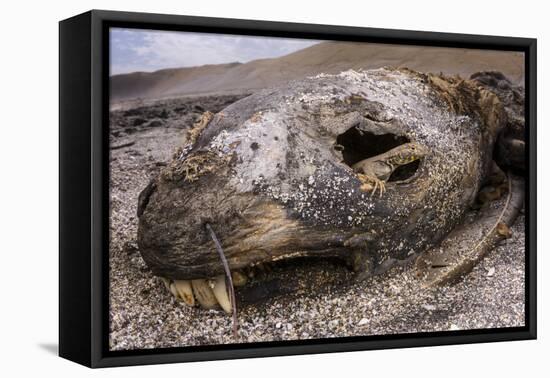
(467, 244)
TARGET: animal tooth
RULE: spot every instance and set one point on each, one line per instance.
(220, 292)
(166, 282)
(239, 278)
(174, 291)
(204, 294)
(185, 291)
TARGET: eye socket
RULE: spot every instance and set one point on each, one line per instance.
(357, 145)
(404, 172)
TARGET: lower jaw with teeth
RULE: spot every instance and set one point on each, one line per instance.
(208, 293)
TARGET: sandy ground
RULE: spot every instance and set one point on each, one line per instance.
(144, 315)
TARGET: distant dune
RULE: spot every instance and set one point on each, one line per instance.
(327, 57)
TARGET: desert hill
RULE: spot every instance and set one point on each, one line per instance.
(327, 57)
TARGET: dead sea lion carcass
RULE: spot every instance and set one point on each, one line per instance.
(290, 172)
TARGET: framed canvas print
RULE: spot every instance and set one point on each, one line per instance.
(234, 188)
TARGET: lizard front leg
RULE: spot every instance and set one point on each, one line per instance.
(371, 182)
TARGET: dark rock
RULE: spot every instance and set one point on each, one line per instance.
(155, 123)
(138, 121)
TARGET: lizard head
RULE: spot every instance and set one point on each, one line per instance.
(408, 153)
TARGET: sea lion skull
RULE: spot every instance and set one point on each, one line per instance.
(272, 173)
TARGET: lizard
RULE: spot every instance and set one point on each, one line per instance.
(376, 170)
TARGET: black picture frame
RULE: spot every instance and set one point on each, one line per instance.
(84, 179)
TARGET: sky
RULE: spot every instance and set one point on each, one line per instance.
(150, 50)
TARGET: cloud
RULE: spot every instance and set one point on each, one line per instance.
(148, 50)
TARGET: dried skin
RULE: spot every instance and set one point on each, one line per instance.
(267, 176)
